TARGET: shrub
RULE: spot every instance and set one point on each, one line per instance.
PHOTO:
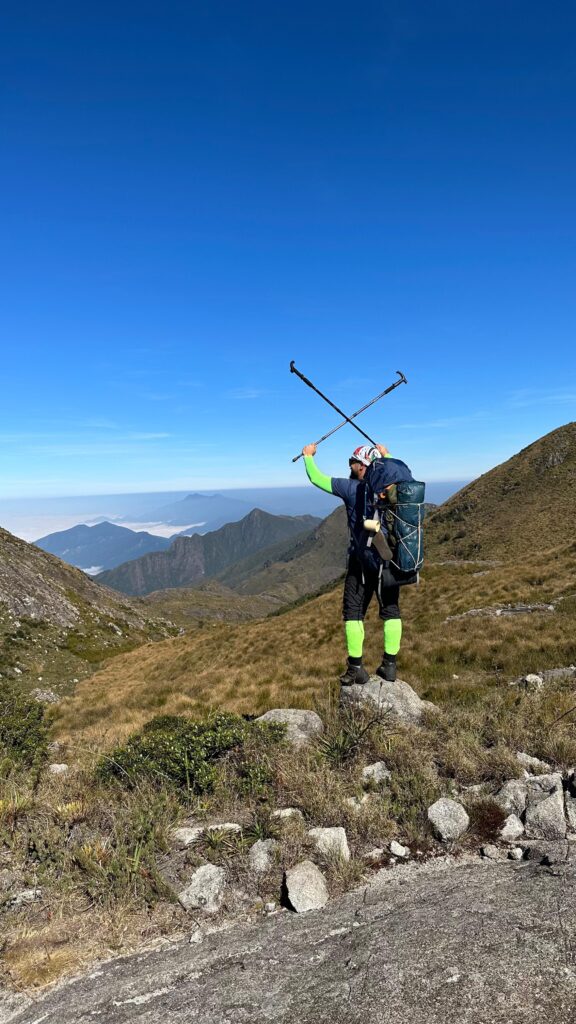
(178, 750)
(23, 730)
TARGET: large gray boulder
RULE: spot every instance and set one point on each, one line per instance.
(301, 726)
(306, 887)
(545, 817)
(448, 819)
(205, 891)
(398, 699)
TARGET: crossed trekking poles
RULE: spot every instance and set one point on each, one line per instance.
(347, 419)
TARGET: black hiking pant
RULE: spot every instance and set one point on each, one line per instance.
(360, 586)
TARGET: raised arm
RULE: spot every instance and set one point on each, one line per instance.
(314, 475)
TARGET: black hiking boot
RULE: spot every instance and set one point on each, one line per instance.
(354, 675)
(387, 670)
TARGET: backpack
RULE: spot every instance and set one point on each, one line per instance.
(400, 515)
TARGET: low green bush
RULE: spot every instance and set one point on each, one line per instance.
(23, 730)
(181, 751)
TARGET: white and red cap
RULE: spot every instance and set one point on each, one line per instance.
(364, 454)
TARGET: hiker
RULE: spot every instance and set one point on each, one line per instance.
(362, 580)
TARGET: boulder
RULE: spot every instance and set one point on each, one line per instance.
(227, 826)
(512, 829)
(288, 814)
(448, 819)
(301, 726)
(532, 764)
(186, 835)
(516, 853)
(260, 855)
(512, 797)
(332, 842)
(376, 773)
(397, 850)
(491, 852)
(545, 818)
(356, 803)
(305, 887)
(397, 698)
(205, 891)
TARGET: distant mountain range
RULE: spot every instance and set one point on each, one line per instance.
(104, 546)
(191, 560)
(201, 513)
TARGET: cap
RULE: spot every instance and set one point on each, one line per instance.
(364, 454)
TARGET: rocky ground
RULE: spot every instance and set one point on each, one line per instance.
(474, 942)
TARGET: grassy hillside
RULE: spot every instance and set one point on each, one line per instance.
(519, 509)
(294, 658)
(190, 606)
(57, 624)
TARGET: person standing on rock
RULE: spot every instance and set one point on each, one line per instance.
(361, 582)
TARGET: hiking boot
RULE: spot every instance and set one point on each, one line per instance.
(354, 675)
(387, 670)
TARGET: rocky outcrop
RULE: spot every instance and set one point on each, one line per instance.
(301, 726)
(397, 699)
(424, 947)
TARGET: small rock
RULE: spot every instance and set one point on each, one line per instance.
(377, 772)
(185, 836)
(356, 803)
(516, 853)
(205, 890)
(301, 726)
(532, 763)
(197, 937)
(25, 896)
(376, 854)
(7, 879)
(306, 887)
(260, 855)
(512, 829)
(512, 797)
(58, 769)
(287, 813)
(397, 850)
(270, 908)
(448, 819)
(532, 681)
(491, 852)
(44, 696)
(332, 842)
(397, 698)
(227, 826)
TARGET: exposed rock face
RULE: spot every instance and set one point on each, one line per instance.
(305, 887)
(332, 842)
(532, 764)
(455, 946)
(512, 797)
(398, 698)
(205, 890)
(448, 819)
(301, 726)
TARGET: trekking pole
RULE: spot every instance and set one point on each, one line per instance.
(347, 419)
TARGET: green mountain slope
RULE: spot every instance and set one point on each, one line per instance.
(57, 624)
(517, 510)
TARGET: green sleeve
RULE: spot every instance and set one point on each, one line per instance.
(316, 477)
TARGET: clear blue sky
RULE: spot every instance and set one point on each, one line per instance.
(193, 194)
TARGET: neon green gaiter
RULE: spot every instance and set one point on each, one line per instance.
(392, 635)
(354, 637)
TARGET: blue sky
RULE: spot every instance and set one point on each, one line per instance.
(195, 194)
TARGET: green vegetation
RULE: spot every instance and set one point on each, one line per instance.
(23, 729)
